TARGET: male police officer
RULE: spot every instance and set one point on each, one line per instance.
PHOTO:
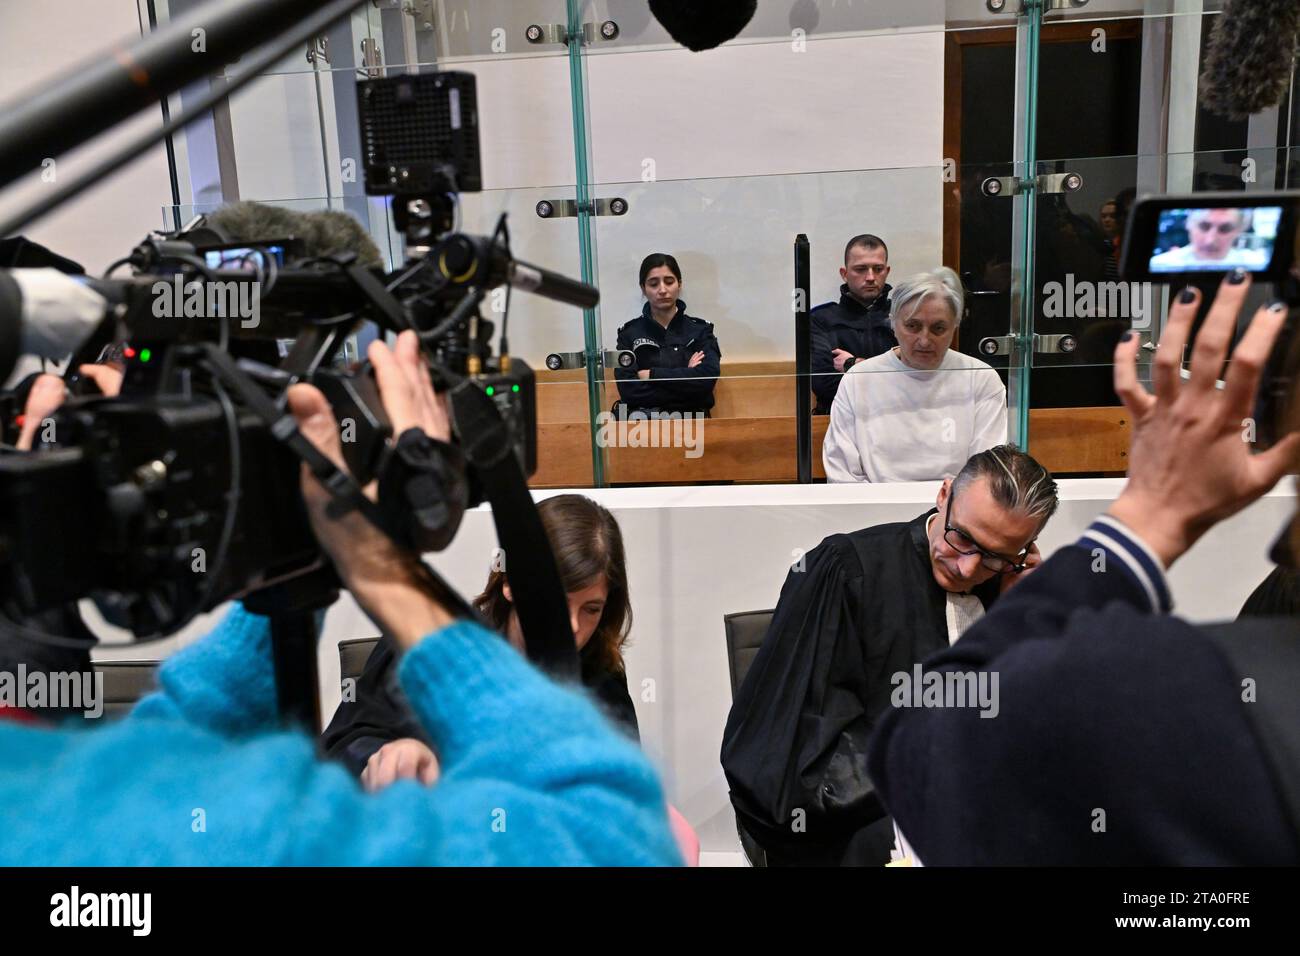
(856, 327)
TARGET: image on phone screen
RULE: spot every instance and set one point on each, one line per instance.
(1212, 240)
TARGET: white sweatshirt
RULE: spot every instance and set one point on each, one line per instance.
(891, 422)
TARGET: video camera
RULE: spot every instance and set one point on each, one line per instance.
(183, 491)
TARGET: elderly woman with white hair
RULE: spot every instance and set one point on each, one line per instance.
(920, 410)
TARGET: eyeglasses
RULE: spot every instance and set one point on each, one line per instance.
(962, 543)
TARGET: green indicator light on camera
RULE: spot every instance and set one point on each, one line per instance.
(491, 390)
(145, 355)
(514, 388)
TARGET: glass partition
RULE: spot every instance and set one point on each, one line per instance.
(722, 160)
(1140, 129)
(1006, 144)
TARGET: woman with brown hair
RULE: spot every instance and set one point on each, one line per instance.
(378, 737)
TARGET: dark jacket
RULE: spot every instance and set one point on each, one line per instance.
(381, 714)
(1124, 735)
(861, 330)
(1278, 595)
(672, 387)
(864, 607)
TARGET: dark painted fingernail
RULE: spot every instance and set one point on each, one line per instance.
(1278, 306)
(1187, 296)
(1238, 277)
(1126, 337)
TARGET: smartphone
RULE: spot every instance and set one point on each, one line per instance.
(1173, 238)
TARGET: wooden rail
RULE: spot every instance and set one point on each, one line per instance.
(751, 436)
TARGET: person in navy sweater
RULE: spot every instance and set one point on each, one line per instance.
(1124, 735)
(678, 356)
(199, 773)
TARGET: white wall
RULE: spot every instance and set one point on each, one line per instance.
(38, 43)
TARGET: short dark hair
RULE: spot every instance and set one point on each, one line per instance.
(657, 259)
(866, 241)
(1016, 481)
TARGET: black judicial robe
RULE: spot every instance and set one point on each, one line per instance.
(1278, 595)
(864, 607)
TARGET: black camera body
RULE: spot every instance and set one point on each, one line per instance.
(133, 504)
(183, 491)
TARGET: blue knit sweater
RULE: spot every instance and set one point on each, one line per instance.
(199, 774)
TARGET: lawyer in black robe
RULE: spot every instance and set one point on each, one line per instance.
(865, 607)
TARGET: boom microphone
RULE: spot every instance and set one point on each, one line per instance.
(471, 260)
(117, 83)
(1248, 61)
(703, 24)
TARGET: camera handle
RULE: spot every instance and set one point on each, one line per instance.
(292, 604)
(536, 588)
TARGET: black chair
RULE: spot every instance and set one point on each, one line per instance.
(125, 682)
(353, 655)
(745, 632)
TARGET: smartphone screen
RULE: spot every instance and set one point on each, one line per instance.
(1215, 239)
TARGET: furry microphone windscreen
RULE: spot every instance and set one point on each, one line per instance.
(703, 24)
(1248, 61)
(322, 233)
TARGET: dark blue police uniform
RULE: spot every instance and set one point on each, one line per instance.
(671, 387)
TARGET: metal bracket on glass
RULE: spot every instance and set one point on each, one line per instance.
(1062, 344)
(1024, 6)
(1002, 344)
(561, 360)
(1059, 183)
(559, 33)
(319, 49)
(372, 58)
(569, 208)
(423, 12)
(1046, 184)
